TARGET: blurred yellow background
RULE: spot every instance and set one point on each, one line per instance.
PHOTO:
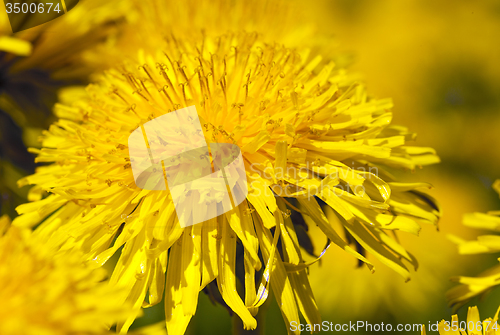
(439, 61)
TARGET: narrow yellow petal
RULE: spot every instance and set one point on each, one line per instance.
(250, 292)
(175, 318)
(373, 246)
(280, 161)
(263, 200)
(314, 211)
(299, 281)
(482, 221)
(289, 239)
(209, 245)
(239, 221)
(305, 297)
(280, 283)
(157, 278)
(15, 46)
(264, 286)
(191, 272)
(227, 276)
(473, 318)
(132, 271)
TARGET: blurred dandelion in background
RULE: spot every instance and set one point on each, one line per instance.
(34, 65)
(473, 286)
(43, 293)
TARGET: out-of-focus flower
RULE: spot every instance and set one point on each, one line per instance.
(218, 17)
(474, 286)
(36, 62)
(275, 21)
(285, 114)
(34, 65)
(380, 295)
(44, 293)
(473, 326)
(193, 19)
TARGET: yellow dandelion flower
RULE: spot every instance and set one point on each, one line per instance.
(34, 64)
(473, 326)
(473, 286)
(314, 146)
(45, 293)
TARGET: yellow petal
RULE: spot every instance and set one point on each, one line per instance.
(264, 286)
(157, 276)
(15, 46)
(305, 298)
(264, 202)
(132, 271)
(482, 221)
(373, 246)
(473, 318)
(240, 224)
(289, 239)
(210, 246)
(227, 276)
(314, 211)
(175, 318)
(250, 292)
(191, 272)
(280, 283)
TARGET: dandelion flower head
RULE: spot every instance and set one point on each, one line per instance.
(309, 134)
